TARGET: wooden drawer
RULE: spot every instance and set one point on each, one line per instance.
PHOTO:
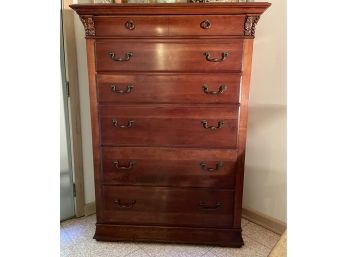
(169, 167)
(168, 88)
(128, 26)
(206, 25)
(171, 25)
(183, 55)
(167, 206)
(169, 126)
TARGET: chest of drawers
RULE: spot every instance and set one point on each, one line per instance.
(169, 87)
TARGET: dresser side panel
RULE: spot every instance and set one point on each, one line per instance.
(242, 128)
(90, 45)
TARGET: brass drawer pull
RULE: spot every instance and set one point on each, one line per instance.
(223, 57)
(127, 57)
(130, 123)
(205, 125)
(206, 24)
(121, 205)
(217, 167)
(130, 25)
(130, 165)
(206, 207)
(222, 89)
(120, 91)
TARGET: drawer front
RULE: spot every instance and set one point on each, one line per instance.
(214, 168)
(167, 206)
(169, 126)
(206, 25)
(169, 88)
(178, 25)
(128, 26)
(184, 56)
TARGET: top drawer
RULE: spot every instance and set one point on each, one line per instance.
(131, 26)
(170, 25)
(206, 25)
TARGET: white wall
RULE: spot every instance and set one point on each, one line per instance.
(265, 173)
(265, 168)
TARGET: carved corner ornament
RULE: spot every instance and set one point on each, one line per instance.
(88, 24)
(249, 25)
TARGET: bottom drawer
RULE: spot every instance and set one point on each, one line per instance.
(167, 206)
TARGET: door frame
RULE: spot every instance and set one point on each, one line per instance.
(74, 105)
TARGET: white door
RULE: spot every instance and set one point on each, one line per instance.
(67, 207)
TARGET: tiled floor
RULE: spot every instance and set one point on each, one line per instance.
(76, 240)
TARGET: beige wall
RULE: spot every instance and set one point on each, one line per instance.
(265, 168)
(86, 129)
(265, 174)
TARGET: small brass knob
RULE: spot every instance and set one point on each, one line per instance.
(130, 25)
(206, 24)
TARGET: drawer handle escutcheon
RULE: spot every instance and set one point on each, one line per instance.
(120, 91)
(206, 207)
(130, 165)
(130, 25)
(130, 123)
(127, 57)
(217, 167)
(206, 24)
(223, 57)
(205, 125)
(121, 205)
(222, 89)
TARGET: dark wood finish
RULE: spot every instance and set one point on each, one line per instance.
(190, 25)
(182, 206)
(143, 26)
(184, 56)
(90, 43)
(167, 9)
(174, 167)
(242, 130)
(170, 25)
(184, 235)
(168, 126)
(169, 88)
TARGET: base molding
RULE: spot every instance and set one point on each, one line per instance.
(263, 220)
(90, 208)
(222, 237)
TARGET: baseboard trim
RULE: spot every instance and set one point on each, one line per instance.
(90, 208)
(263, 220)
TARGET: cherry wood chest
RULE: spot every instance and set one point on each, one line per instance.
(169, 88)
